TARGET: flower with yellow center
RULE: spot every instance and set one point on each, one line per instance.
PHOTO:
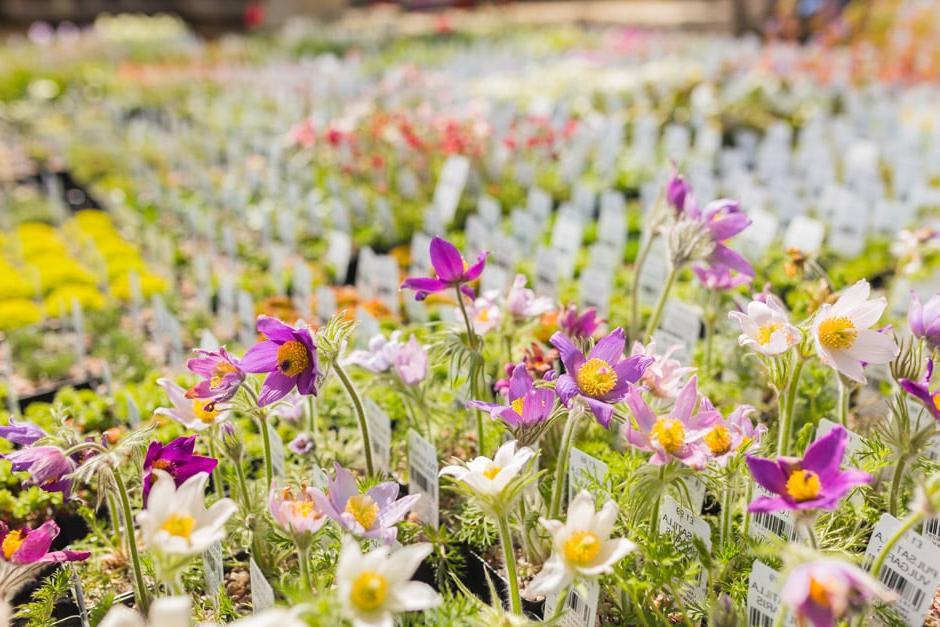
(819, 592)
(596, 377)
(207, 416)
(670, 433)
(11, 543)
(363, 509)
(179, 525)
(489, 477)
(221, 370)
(766, 331)
(837, 333)
(197, 414)
(718, 440)
(292, 358)
(582, 547)
(369, 591)
(765, 327)
(803, 485)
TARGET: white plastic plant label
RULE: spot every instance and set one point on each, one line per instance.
(805, 234)
(584, 471)
(262, 595)
(380, 435)
(450, 186)
(566, 240)
(580, 606)
(423, 479)
(912, 570)
(212, 569)
(546, 273)
(326, 302)
(760, 235)
(932, 530)
(684, 525)
(338, 252)
(596, 287)
(277, 450)
(766, 524)
(682, 320)
(763, 596)
(654, 273)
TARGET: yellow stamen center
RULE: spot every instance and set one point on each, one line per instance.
(803, 485)
(745, 442)
(518, 404)
(12, 543)
(582, 547)
(670, 433)
(369, 591)
(219, 373)
(936, 401)
(766, 331)
(818, 592)
(363, 509)
(203, 414)
(837, 333)
(304, 509)
(179, 525)
(718, 440)
(292, 358)
(163, 464)
(491, 471)
(596, 377)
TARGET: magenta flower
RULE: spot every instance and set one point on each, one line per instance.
(676, 191)
(47, 467)
(814, 482)
(577, 325)
(921, 391)
(727, 438)
(824, 591)
(221, 373)
(724, 219)
(177, 460)
(288, 355)
(528, 405)
(676, 436)
(371, 515)
(23, 433)
(720, 278)
(25, 552)
(924, 319)
(602, 378)
(450, 269)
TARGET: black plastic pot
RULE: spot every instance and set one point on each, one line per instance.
(475, 579)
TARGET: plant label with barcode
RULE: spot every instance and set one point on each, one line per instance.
(932, 530)
(763, 596)
(583, 472)
(262, 595)
(684, 525)
(380, 435)
(212, 569)
(912, 570)
(423, 479)
(580, 606)
(766, 524)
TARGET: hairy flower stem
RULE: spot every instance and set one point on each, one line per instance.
(654, 513)
(561, 464)
(746, 523)
(637, 273)
(303, 558)
(360, 414)
(844, 393)
(910, 522)
(505, 538)
(266, 441)
(727, 513)
(896, 485)
(471, 335)
(140, 588)
(657, 314)
(217, 485)
(476, 379)
(313, 417)
(786, 403)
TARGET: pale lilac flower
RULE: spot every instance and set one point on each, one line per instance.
(197, 414)
(727, 438)
(485, 313)
(297, 514)
(665, 376)
(47, 467)
(522, 302)
(408, 359)
(827, 590)
(411, 361)
(302, 444)
(22, 433)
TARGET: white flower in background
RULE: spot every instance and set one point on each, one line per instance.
(189, 412)
(374, 586)
(489, 477)
(842, 335)
(910, 247)
(582, 546)
(176, 521)
(485, 313)
(765, 328)
(521, 302)
(177, 612)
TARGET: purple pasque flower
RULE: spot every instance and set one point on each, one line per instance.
(826, 590)
(720, 277)
(576, 325)
(221, 376)
(195, 413)
(371, 515)
(31, 546)
(665, 376)
(47, 467)
(924, 319)
(723, 218)
(177, 460)
(921, 391)
(450, 271)
(411, 361)
(727, 438)
(288, 355)
(522, 303)
(676, 436)
(528, 405)
(302, 444)
(815, 481)
(378, 355)
(297, 514)
(676, 191)
(408, 359)
(601, 378)
(22, 433)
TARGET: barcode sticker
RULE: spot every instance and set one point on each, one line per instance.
(583, 471)
(212, 570)
(912, 570)
(262, 595)
(422, 478)
(380, 435)
(766, 524)
(763, 596)
(684, 525)
(932, 530)
(580, 606)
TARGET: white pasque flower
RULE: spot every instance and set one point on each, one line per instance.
(489, 477)
(375, 585)
(176, 521)
(843, 337)
(176, 612)
(765, 328)
(582, 546)
(192, 413)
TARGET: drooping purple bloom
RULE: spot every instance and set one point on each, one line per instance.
(720, 277)
(288, 355)
(827, 590)
(177, 460)
(23, 433)
(676, 191)
(31, 546)
(221, 376)
(450, 269)
(577, 325)
(47, 467)
(724, 219)
(528, 405)
(815, 481)
(371, 515)
(921, 391)
(601, 378)
(924, 319)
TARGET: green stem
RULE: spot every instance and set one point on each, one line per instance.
(242, 484)
(657, 314)
(746, 523)
(727, 514)
(654, 513)
(471, 335)
(896, 486)
(313, 415)
(637, 273)
(913, 519)
(266, 441)
(786, 404)
(561, 464)
(304, 559)
(844, 393)
(115, 517)
(217, 486)
(505, 538)
(360, 415)
(140, 588)
(811, 534)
